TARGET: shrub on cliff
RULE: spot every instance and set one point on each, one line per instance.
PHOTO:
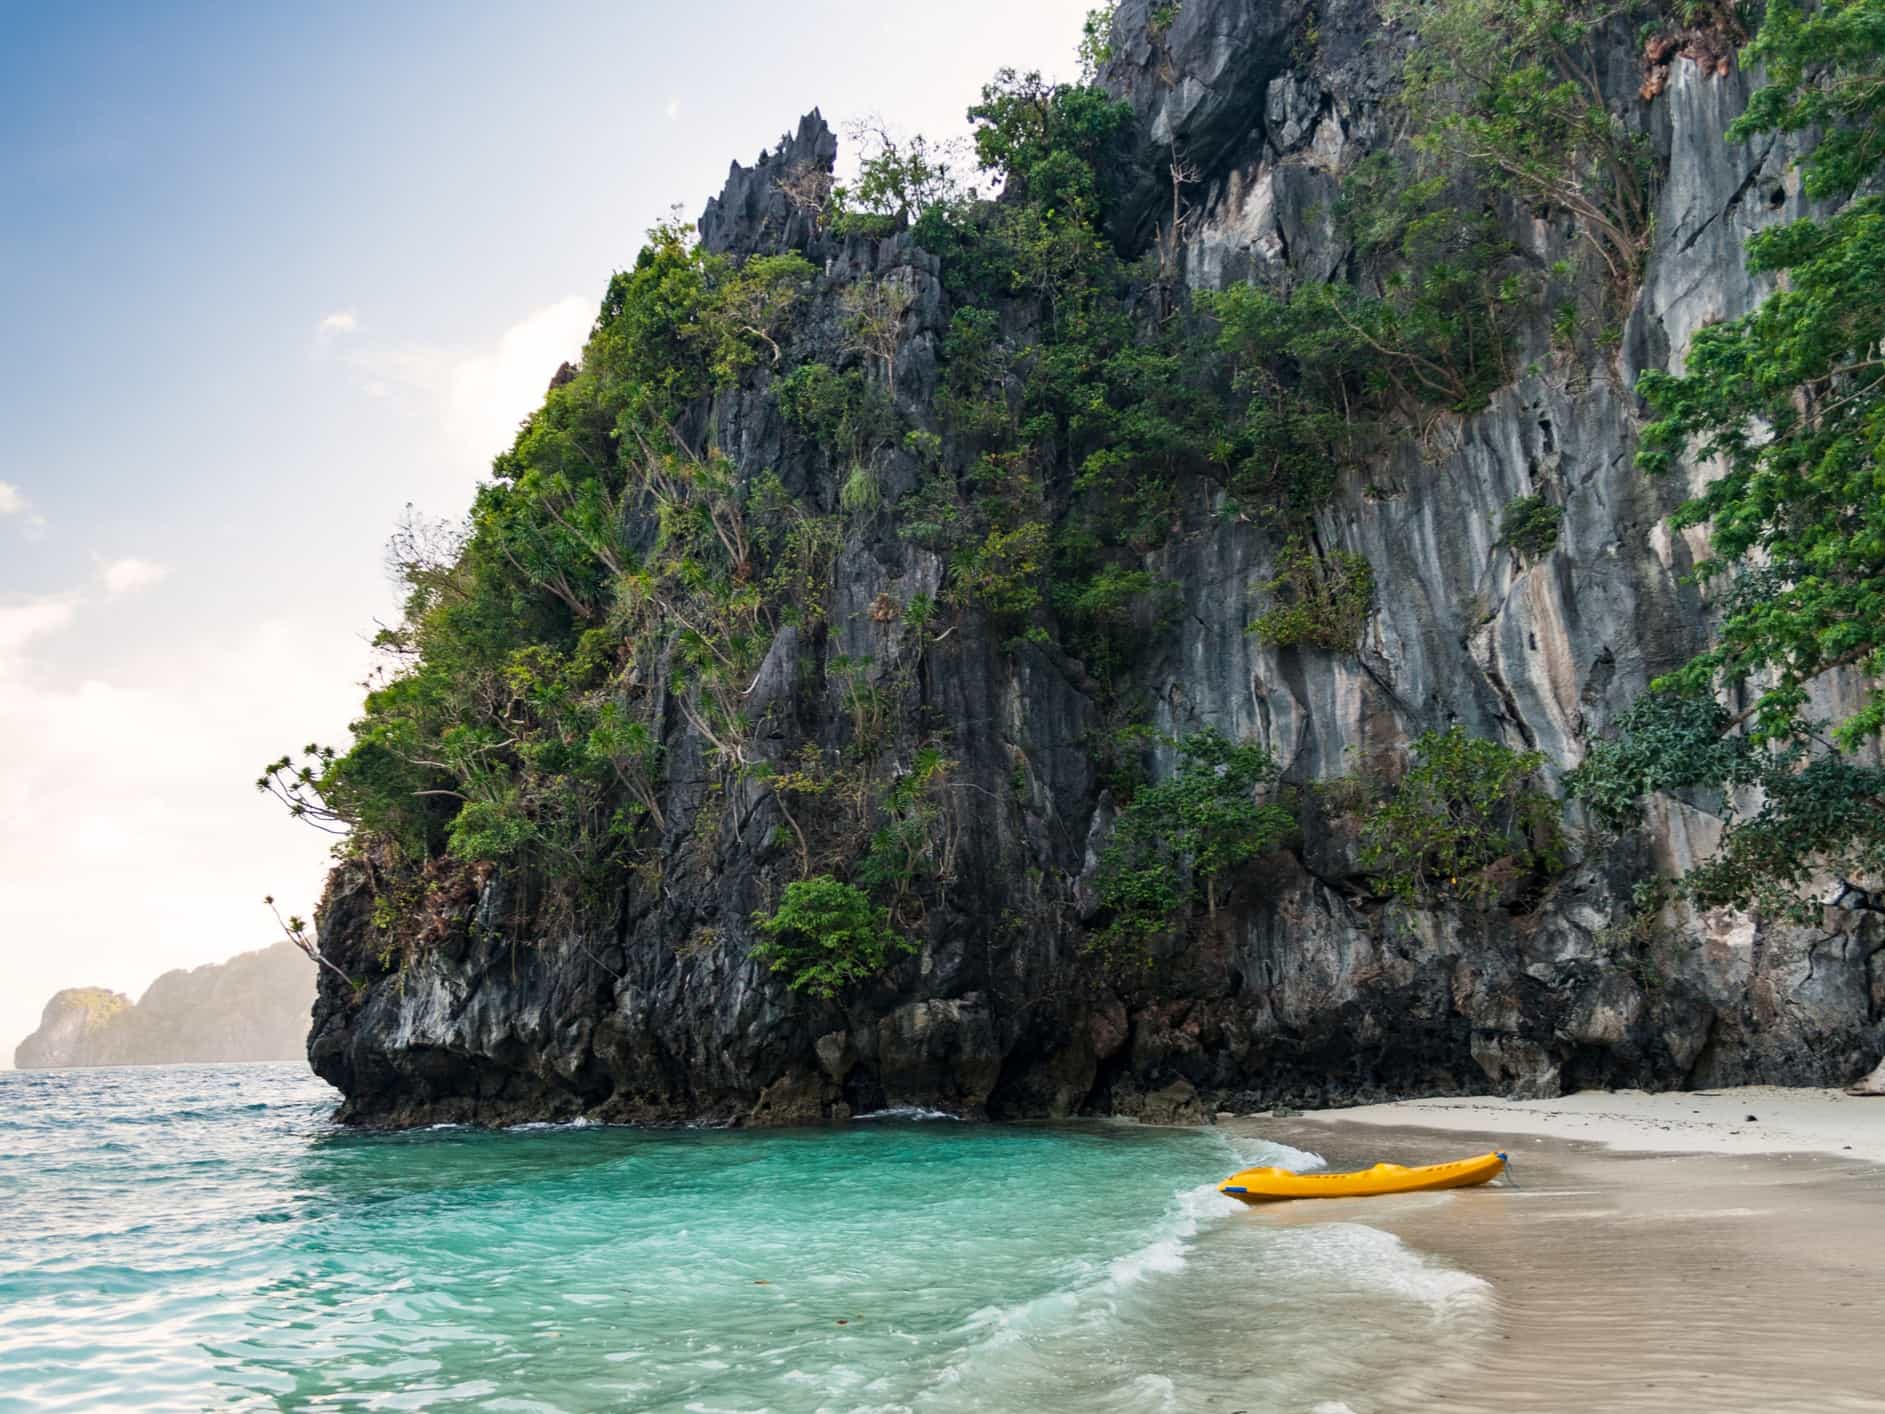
(1512, 88)
(1321, 601)
(1530, 525)
(1793, 811)
(1184, 835)
(1468, 816)
(827, 935)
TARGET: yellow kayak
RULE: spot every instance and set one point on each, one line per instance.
(1269, 1185)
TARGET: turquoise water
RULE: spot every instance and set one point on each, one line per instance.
(202, 1238)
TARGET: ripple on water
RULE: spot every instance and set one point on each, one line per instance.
(199, 1237)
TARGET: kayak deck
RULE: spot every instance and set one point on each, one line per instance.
(1268, 1185)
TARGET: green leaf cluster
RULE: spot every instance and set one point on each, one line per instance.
(1327, 369)
(1184, 835)
(1793, 814)
(1791, 400)
(1530, 525)
(1096, 40)
(1323, 599)
(826, 936)
(899, 181)
(1467, 818)
(1825, 70)
(1513, 90)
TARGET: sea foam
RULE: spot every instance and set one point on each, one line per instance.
(1253, 1152)
(908, 1112)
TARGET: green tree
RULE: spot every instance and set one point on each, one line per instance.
(827, 935)
(1184, 835)
(899, 180)
(1512, 89)
(1468, 816)
(1096, 40)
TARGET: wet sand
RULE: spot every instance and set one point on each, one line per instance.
(1624, 1278)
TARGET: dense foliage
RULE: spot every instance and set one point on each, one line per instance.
(826, 935)
(1468, 819)
(1512, 89)
(1323, 600)
(1811, 811)
(1530, 525)
(1178, 838)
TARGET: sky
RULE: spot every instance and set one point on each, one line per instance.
(271, 273)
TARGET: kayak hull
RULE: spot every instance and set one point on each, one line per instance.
(1273, 1185)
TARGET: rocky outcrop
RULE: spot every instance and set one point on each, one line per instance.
(770, 206)
(253, 1007)
(1303, 987)
(73, 1027)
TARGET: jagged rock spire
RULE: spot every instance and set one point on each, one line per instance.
(766, 207)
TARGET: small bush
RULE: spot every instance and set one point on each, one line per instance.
(1347, 796)
(1096, 40)
(1188, 830)
(840, 411)
(827, 935)
(860, 494)
(1003, 573)
(1325, 600)
(1530, 525)
(1468, 814)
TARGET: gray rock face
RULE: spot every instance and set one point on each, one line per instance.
(253, 1007)
(1302, 988)
(72, 1028)
(756, 212)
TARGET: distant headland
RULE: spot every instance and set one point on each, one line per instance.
(253, 1007)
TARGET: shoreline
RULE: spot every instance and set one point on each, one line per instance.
(1738, 1120)
(1658, 1252)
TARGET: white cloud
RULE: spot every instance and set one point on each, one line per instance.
(128, 575)
(341, 321)
(13, 501)
(23, 620)
(481, 394)
(494, 391)
(146, 779)
(674, 109)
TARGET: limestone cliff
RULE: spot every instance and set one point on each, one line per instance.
(1305, 985)
(253, 1007)
(72, 1028)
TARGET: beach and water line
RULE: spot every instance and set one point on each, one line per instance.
(203, 1237)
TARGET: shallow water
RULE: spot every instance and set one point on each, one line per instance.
(202, 1237)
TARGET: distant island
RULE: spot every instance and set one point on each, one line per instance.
(253, 1007)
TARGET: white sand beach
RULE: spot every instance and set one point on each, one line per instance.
(1659, 1252)
(1750, 1119)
